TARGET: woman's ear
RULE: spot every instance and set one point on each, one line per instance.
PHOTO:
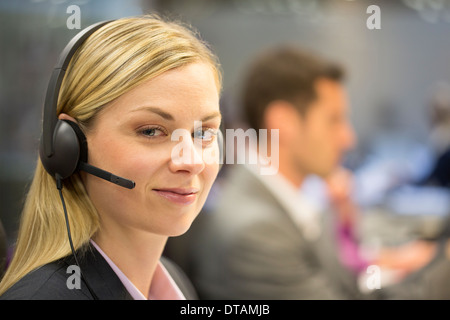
(64, 116)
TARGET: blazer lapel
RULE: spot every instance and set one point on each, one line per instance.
(101, 278)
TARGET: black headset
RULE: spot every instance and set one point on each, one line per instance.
(63, 148)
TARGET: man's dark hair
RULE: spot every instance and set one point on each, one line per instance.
(284, 73)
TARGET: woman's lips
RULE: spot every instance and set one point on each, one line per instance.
(183, 196)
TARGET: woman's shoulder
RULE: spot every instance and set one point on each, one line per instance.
(50, 282)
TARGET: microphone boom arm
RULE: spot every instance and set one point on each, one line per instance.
(108, 176)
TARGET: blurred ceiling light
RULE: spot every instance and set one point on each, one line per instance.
(431, 11)
(281, 7)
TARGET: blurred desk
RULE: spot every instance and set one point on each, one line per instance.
(406, 214)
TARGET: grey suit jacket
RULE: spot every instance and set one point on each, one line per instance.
(249, 248)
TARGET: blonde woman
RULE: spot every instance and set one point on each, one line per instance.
(129, 86)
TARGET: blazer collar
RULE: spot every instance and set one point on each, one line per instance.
(99, 275)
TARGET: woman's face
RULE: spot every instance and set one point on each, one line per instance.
(133, 138)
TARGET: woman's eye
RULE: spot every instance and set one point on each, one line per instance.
(206, 135)
(152, 132)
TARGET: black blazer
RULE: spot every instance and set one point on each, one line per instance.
(49, 281)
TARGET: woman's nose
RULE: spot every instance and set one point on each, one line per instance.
(187, 153)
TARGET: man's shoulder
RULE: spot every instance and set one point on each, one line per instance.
(241, 188)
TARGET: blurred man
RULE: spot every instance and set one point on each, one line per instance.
(263, 239)
(262, 236)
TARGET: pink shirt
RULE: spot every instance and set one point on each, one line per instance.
(163, 287)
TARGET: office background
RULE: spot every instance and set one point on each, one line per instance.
(393, 74)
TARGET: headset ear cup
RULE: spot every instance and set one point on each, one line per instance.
(66, 155)
(82, 141)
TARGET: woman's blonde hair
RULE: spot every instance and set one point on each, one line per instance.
(116, 58)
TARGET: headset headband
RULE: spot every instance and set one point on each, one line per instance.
(51, 98)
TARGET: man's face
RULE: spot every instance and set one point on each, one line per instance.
(324, 131)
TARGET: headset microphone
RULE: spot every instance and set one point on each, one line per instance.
(108, 176)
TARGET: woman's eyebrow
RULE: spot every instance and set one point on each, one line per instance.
(168, 116)
(213, 115)
(156, 110)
